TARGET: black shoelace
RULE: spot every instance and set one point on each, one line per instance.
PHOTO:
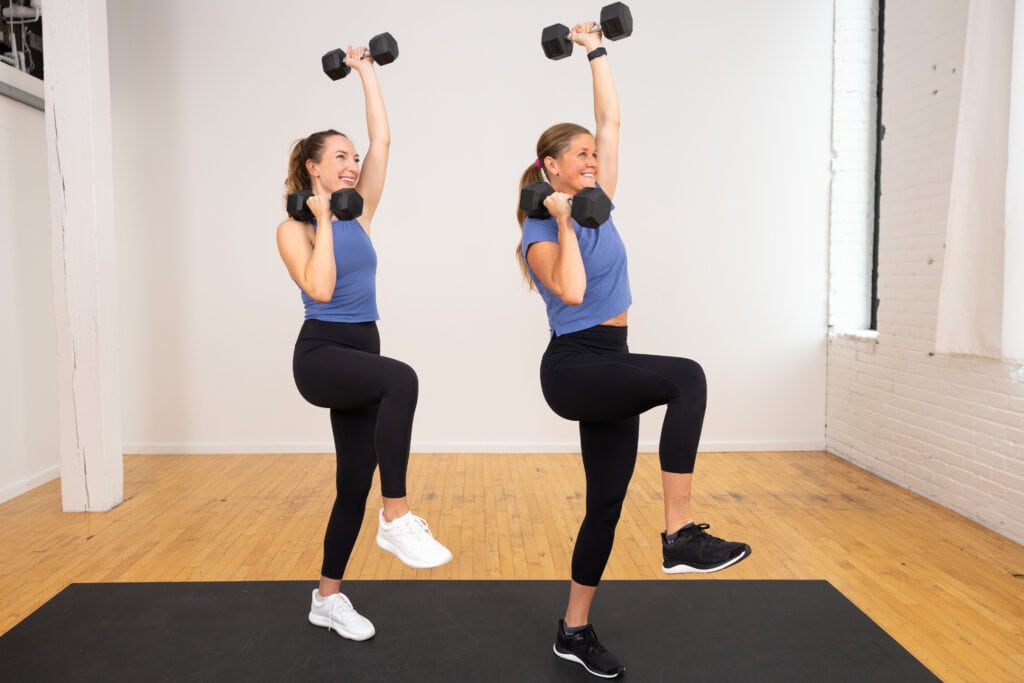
(708, 539)
(593, 645)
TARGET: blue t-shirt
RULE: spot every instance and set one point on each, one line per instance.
(604, 260)
(355, 290)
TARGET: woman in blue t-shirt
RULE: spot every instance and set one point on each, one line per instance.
(588, 374)
(337, 362)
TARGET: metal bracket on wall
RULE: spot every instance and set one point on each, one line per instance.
(22, 87)
(8, 90)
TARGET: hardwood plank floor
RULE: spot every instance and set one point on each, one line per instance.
(948, 590)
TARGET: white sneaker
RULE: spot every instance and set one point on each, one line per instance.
(409, 538)
(336, 612)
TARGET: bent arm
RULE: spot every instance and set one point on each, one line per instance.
(310, 264)
(560, 266)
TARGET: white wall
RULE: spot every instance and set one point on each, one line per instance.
(28, 385)
(723, 203)
(950, 428)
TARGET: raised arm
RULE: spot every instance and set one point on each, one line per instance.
(375, 163)
(606, 109)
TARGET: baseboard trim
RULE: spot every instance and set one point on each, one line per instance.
(454, 447)
(27, 484)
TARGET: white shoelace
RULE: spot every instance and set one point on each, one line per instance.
(343, 606)
(414, 526)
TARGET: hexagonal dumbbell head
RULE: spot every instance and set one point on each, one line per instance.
(297, 208)
(531, 199)
(555, 41)
(616, 21)
(384, 48)
(346, 204)
(334, 64)
(591, 207)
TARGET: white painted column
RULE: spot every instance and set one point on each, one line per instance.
(79, 148)
(1013, 257)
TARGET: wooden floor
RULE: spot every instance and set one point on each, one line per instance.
(949, 591)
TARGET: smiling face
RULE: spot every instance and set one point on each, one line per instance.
(576, 168)
(338, 167)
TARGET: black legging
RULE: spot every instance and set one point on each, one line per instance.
(591, 377)
(372, 401)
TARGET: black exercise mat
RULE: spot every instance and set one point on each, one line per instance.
(685, 630)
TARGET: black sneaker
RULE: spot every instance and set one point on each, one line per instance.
(697, 552)
(583, 648)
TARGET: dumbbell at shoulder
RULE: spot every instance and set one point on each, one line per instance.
(297, 208)
(531, 199)
(383, 48)
(590, 206)
(346, 205)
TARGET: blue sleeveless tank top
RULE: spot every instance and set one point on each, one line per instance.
(355, 290)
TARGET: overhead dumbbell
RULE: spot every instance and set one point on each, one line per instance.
(383, 49)
(616, 24)
(590, 206)
(346, 204)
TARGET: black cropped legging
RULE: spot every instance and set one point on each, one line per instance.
(372, 401)
(591, 377)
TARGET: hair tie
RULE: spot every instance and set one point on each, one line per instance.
(536, 162)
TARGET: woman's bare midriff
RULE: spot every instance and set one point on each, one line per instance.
(617, 321)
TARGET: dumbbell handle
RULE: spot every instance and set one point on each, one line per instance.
(366, 53)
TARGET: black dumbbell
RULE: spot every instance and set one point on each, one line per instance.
(616, 24)
(345, 204)
(590, 206)
(383, 49)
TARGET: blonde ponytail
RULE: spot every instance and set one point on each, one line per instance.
(552, 143)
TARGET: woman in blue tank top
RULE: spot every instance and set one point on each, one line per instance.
(337, 362)
(588, 374)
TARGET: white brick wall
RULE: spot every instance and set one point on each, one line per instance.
(950, 428)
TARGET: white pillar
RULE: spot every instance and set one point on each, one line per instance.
(1013, 269)
(79, 149)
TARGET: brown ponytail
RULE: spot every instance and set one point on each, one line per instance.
(552, 143)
